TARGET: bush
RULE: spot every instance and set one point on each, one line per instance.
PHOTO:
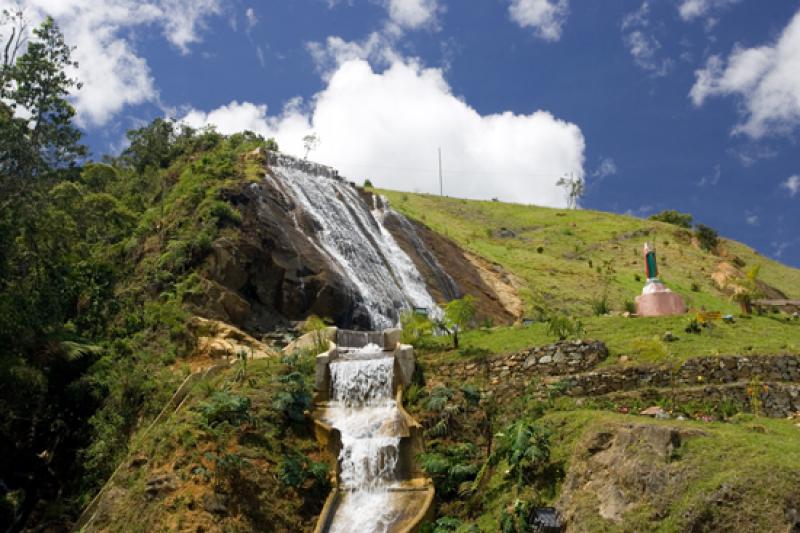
(670, 216)
(630, 307)
(293, 397)
(414, 326)
(225, 407)
(317, 327)
(707, 237)
(562, 326)
(600, 306)
(526, 449)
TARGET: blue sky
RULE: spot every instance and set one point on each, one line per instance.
(683, 104)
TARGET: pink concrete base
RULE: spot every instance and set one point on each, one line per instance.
(660, 304)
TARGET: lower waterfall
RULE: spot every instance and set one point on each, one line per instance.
(363, 410)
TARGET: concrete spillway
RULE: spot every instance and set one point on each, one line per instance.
(360, 420)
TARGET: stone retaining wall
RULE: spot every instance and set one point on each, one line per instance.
(567, 357)
(695, 371)
(777, 399)
(570, 364)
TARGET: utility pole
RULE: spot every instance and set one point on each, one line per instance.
(441, 192)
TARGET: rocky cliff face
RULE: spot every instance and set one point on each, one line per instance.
(311, 243)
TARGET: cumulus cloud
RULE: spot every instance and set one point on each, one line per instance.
(792, 184)
(387, 126)
(546, 17)
(766, 79)
(693, 9)
(112, 72)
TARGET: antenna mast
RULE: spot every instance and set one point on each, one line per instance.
(441, 193)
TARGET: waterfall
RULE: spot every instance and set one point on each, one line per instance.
(363, 410)
(354, 239)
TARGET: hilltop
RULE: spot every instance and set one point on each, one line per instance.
(567, 260)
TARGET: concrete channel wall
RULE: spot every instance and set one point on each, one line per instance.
(418, 489)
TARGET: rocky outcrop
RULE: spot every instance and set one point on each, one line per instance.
(218, 340)
(450, 272)
(271, 272)
(621, 467)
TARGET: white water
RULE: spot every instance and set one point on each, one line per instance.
(366, 415)
(355, 240)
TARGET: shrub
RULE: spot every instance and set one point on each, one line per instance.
(670, 216)
(414, 326)
(367, 184)
(600, 306)
(317, 327)
(707, 237)
(526, 449)
(225, 407)
(630, 307)
(562, 326)
(458, 315)
(293, 397)
(451, 468)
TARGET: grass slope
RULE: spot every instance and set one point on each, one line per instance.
(238, 455)
(556, 253)
(571, 239)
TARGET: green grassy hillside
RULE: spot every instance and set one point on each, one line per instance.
(574, 243)
(566, 260)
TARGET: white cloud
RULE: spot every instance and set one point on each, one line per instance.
(792, 184)
(546, 17)
(711, 179)
(693, 9)
(412, 14)
(765, 78)
(387, 126)
(606, 168)
(642, 44)
(112, 72)
(377, 47)
(251, 18)
(751, 219)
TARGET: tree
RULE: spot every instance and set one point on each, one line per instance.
(37, 135)
(670, 216)
(14, 24)
(745, 288)
(458, 314)
(310, 143)
(574, 188)
(707, 237)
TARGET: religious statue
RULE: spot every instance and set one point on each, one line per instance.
(656, 299)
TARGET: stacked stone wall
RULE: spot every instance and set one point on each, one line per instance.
(572, 365)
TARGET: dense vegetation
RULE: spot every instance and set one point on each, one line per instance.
(95, 262)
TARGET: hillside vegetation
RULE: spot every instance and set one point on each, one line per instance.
(571, 260)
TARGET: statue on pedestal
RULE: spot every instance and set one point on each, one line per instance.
(656, 299)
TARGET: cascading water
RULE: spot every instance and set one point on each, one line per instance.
(354, 238)
(366, 415)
